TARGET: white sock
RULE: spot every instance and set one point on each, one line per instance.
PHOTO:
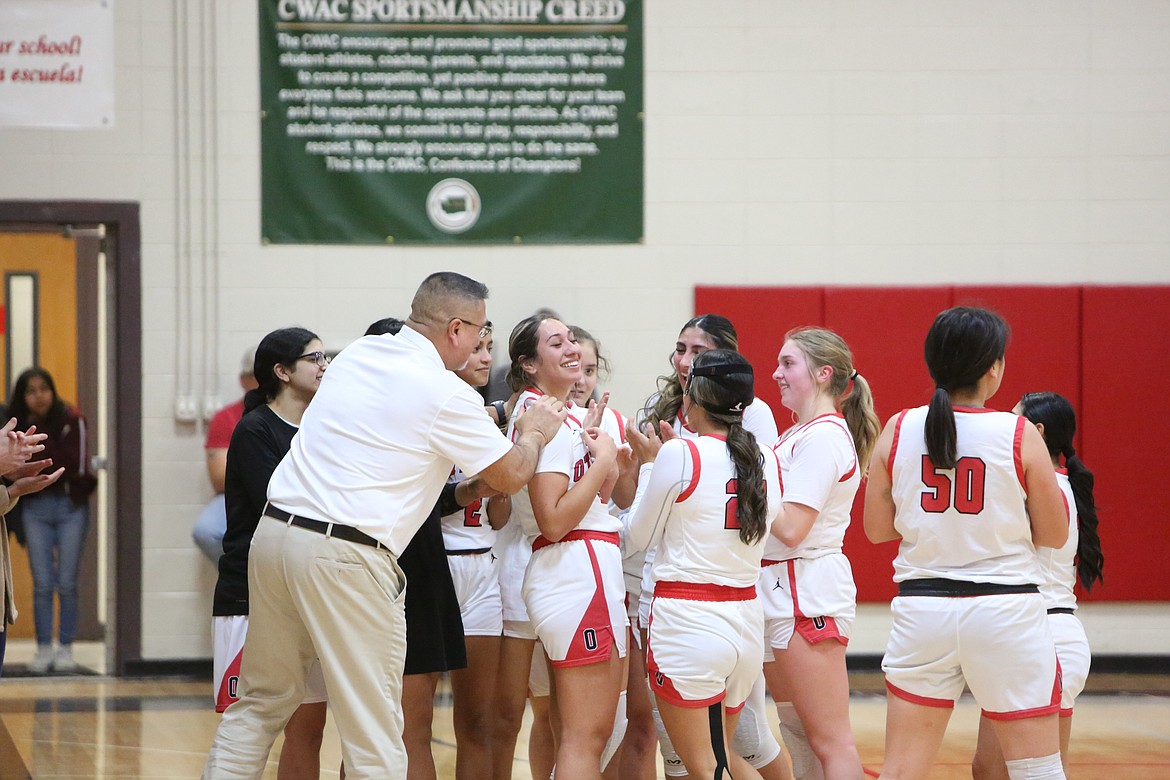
(805, 764)
(616, 736)
(1046, 768)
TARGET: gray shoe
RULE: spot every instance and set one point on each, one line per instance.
(63, 659)
(43, 660)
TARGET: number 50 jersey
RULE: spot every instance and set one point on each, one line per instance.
(967, 523)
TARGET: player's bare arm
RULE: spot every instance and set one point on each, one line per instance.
(535, 427)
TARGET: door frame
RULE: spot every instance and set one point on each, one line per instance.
(123, 247)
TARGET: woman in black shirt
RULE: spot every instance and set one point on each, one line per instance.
(289, 365)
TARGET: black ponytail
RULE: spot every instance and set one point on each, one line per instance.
(720, 381)
(961, 347)
(1056, 414)
(1090, 559)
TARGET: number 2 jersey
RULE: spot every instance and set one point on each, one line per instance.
(686, 505)
(967, 523)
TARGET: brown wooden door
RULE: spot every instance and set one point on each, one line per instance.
(39, 325)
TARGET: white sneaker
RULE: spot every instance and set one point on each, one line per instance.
(44, 659)
(63, 660)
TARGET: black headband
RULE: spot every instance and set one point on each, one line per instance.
(722, 369)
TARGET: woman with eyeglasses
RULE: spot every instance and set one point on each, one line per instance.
(290, 363)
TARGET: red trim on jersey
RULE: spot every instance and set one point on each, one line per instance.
(1066, 713)
(973, 409)
(702, 591)
(894, 443)
(1018, 451)
(733, 710)
(718, 436)
(574, 419)
(578, 536)
(1062, 470)
(925, 701)
(779, 471)
(848, 474)
(696, 471)
(1067, 509)
(621, 424)
(768, 562)
(595, 620)
(682, 420)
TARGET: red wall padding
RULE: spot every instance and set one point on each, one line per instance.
(1085, 343)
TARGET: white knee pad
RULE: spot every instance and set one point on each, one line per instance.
(753, 738)
(1046, 768)
(618, 734)
(671, 763)
(805, 764)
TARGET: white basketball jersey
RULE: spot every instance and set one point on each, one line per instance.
(687, 507)
(1057, 567)
(967, 523)
(565, 454)
(467, 528)
(757, 419)
(819, 464)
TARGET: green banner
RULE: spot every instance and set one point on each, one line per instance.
(453, 121)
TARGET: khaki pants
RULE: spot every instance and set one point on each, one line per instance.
(312, 596)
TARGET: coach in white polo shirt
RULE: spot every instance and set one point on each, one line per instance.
(373, 452)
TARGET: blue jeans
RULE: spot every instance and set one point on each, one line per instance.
(55, 530)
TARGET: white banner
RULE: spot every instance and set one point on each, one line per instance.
(56, 63)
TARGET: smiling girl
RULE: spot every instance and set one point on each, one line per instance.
(806, 581)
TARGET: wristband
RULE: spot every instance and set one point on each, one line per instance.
(501, 415)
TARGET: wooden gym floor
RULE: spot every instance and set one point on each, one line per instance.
(100, 727)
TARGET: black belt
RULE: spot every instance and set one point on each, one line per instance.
(1062, 611)
(333, 530)
(944, 588)
(476, 551)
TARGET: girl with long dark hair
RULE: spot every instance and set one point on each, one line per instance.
(573, 589)
(753, 738)
(706, 504)
(1079, 559)
(970, 494)
(56, 519)
(289, 365)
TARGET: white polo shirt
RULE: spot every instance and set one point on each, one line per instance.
(377, 444)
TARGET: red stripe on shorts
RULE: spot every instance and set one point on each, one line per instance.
(594, 639)
(925, 701)
(229, 693)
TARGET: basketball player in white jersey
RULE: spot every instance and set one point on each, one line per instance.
(1080, 557)
(573, 587)
(753, 739)
(969, 493)
(706, 504)
(806, 585)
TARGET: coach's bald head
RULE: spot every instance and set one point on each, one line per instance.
(449, 309)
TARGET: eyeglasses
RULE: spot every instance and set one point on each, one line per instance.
(320, 358)
(484, 329)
